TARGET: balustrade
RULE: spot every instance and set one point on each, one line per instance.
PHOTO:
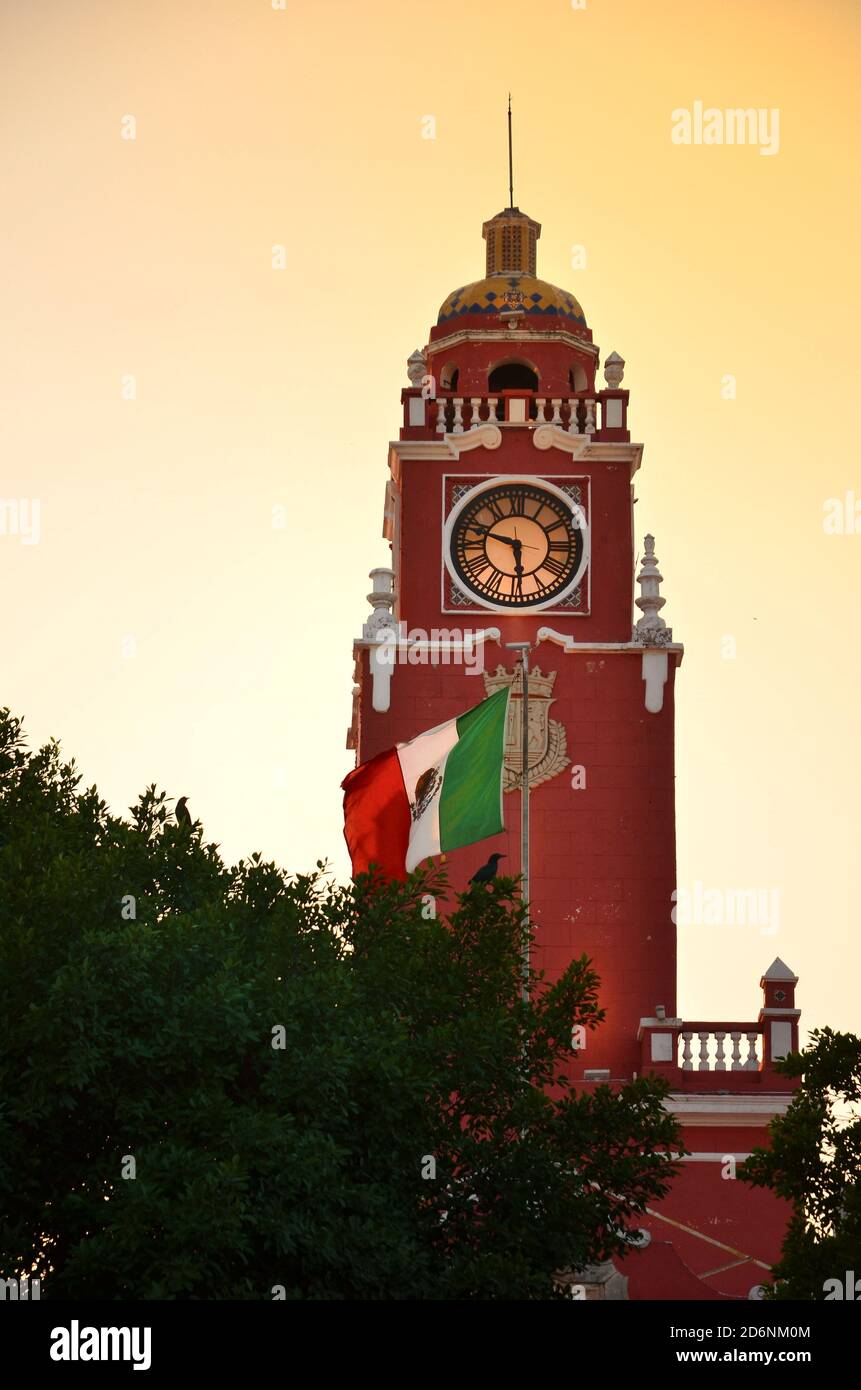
(712, 1047)
(451, 414)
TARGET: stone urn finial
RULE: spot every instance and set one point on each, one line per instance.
(382, 600)
(614, 370)
(651, 629)
(416, 367)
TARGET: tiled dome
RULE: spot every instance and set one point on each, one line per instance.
(502, 293)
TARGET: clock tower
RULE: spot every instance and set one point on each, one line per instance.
(509, 509)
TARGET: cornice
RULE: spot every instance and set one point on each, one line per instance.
(544, 437)
(570, 644)
(510, 335)
(734, 1111)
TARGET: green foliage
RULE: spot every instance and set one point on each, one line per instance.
(815, 1163)
(145, 1028)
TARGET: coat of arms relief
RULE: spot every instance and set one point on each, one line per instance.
(548, 745)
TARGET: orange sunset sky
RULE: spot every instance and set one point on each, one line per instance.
(166, 631)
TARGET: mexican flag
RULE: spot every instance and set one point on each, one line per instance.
(436, 793)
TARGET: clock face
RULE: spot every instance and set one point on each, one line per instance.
(516, 544)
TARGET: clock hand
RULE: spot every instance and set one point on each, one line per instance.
(497, 536)
(516, 545)
(510, 540)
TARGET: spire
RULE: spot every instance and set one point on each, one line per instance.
(511, 235)
(510, 160)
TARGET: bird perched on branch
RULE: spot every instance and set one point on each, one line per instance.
(181, 812)
(487, 872)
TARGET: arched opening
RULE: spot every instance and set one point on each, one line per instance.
(512, 376)
(577, 378)
(449, 377)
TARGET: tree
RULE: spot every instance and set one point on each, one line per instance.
(219, 1082)
(815, 1163)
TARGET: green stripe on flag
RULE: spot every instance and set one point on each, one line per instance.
(471, 802)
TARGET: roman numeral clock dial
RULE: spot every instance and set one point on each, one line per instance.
(515, 544)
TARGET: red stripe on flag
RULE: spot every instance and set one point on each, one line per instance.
(377, 816)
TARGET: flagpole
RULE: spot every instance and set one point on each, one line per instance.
(523, 648)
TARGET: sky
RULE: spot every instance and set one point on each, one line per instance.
(194, 426)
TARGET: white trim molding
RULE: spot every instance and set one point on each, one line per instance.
(582, 448)
(732, 1111)
(711, 1158)
(508, 335)
(655, 660)
(487, 435)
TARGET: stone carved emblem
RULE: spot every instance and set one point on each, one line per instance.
(548, 744)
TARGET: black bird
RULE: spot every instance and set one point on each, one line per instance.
(181, 812)
(487, 872)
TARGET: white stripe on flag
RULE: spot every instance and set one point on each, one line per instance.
(426, 751)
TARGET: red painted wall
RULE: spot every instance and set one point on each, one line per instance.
(704, 1213)
(475, 360)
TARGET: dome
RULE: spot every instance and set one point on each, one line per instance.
(507, 291)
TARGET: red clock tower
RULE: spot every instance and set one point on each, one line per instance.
(509, 510)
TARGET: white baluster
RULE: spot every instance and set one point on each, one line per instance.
(687, 1063)
(704, 1051)
(457, 427)
(590, 418)
(736, 1052)
(475, 402)
(540, 404)
(720, 1064)
(440, 414)
(752, 1063)
(557, 416)
(492, 402)
(573, 426)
